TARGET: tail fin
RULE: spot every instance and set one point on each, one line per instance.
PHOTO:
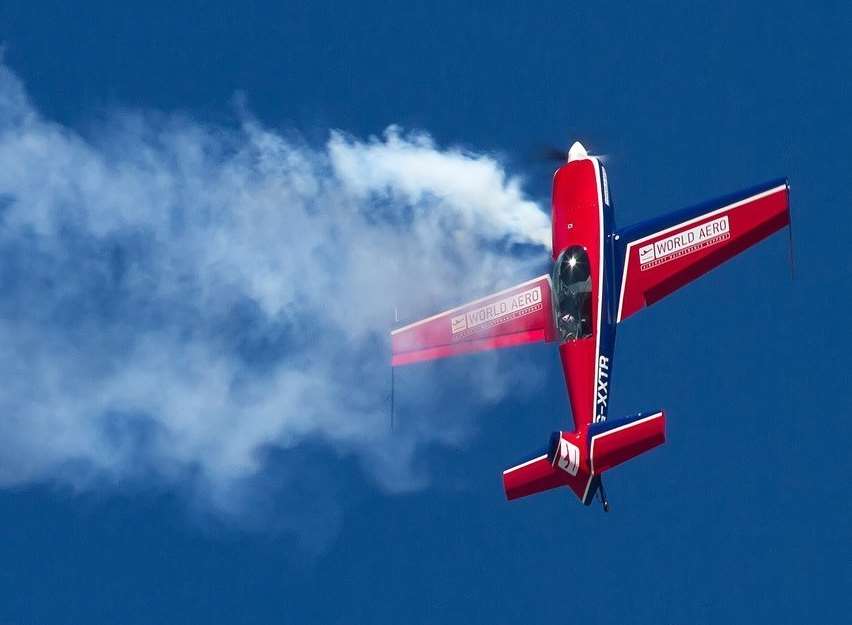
(564, 464)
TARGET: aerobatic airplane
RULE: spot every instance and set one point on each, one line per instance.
(601, 275)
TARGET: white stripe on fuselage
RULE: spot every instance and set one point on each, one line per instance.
(601, 261)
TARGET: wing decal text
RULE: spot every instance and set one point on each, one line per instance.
(498, 312)
(684, 243)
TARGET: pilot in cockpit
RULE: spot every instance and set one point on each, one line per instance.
(573, 283)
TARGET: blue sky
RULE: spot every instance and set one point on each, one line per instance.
(130, 497)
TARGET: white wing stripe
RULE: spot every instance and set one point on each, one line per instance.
(521, 466)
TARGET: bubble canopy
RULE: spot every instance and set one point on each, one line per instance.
(572, 282)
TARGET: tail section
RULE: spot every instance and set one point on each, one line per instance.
(577, 459)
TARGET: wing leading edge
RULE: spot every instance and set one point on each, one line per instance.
(659, 256)
(516, 316)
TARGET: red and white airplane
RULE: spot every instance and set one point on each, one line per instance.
(601, 275)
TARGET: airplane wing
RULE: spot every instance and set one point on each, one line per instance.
(515, 316)
(656, 257)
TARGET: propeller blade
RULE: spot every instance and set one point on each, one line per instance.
(550, 153)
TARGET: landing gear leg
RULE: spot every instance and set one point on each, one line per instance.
(602, 493)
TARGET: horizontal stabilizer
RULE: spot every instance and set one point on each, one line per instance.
(533, 476)
(618, 440)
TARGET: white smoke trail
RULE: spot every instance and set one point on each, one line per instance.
(179, 299)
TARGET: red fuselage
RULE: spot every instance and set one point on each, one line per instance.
(582, 217)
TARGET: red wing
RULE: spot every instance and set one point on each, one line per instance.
(659, 256)
(519, 315)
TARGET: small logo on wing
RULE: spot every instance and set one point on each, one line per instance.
(646, 254)
(459, 324)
